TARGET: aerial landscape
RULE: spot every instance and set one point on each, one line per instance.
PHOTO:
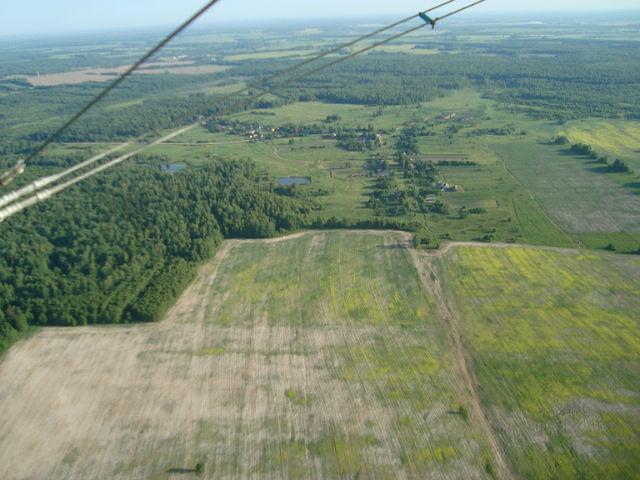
(323, 248)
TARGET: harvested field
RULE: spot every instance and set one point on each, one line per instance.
(104, 74)
(553, 338)
(317, 356)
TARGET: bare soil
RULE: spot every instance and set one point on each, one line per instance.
(252, 396)
(105, 74)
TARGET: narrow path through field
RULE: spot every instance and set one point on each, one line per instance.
(533, 198)
(430, 277)
(448, 246)
(276, 151)
(198, 144)
(182, 144)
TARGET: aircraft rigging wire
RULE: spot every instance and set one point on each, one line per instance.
(344, 46)
(460, 10)
(350, 56)
(159, 46)
(266, 90)
(48, 180)
(19, 168)
(43, 195)
(19, 206)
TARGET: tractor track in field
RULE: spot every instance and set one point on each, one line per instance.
(180, 366)
(448, 246)
(430, 278)
(276, 151)
(532, 197)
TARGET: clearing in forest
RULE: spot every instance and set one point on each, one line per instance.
(553, 340)
(318, 356)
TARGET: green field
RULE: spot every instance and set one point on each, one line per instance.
(269, 55)
(361, 317)
(329, 354)
(320, 355)
(615, 138)
(553, 340)
(574, 190)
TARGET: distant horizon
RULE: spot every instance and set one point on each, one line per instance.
(42, 18)
(521, 15)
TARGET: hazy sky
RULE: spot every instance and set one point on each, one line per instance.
(44, 16)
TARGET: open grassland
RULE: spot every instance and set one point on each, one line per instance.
(320, 356)
(574, 190)
(512, 213)
(104, 74)
(553, 341)
(533, 193)
(616, 138)
(270, 54)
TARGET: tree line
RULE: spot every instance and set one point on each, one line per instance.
(617, 166)
(120, 247)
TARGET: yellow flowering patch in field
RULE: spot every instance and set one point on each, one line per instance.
(555, 343)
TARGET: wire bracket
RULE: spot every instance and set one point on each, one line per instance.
(7, 177)
(427, 19)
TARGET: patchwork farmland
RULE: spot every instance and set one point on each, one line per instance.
(330, 355)
(316, 357)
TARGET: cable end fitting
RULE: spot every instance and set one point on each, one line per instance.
(427, 19)
(7, 177)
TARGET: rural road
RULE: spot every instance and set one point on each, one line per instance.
(430, 277)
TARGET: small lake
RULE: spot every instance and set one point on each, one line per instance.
(287, 181)
(172, 167)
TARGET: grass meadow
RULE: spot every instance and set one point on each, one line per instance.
(553, 340)
(594, 207)
(615, 138)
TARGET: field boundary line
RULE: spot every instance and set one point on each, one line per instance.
(533, 198)
(451, 245)
(207, 272)
(430, 279)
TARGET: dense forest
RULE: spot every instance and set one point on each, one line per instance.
(544, 79)
(121, 247)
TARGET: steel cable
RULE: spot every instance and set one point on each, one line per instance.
(19, 206)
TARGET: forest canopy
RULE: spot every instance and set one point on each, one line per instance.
(121, 247)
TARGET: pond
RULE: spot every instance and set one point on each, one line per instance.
(287, 181)
(172, 167)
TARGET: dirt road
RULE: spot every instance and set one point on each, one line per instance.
(430, 276)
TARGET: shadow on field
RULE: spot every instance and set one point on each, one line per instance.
(565, 152)
(181, 471)
(635, 186)
(601, 169)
